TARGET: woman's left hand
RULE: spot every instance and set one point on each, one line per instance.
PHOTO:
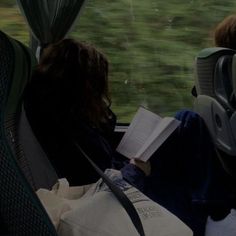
(144, 166)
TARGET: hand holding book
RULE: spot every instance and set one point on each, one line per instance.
(144, 166)
(145, 134)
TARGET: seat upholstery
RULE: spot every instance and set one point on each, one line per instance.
(20, 210)
(205, 66)
(215, 80)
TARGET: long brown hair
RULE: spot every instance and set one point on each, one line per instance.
(77, 74)
(225, 33)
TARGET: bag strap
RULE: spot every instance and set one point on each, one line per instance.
(119, 194)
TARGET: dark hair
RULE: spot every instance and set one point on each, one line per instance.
(225, 33)
(76, 76)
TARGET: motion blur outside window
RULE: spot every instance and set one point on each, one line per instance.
(12, 22)
(151, 46)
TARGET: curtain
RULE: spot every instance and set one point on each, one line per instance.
(50, 20)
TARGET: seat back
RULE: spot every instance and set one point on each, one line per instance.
(29, 154)
(20, 210)
(41, 172)
(205, 69)
(215, 80)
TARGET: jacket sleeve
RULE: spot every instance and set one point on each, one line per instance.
(134, 176)
(130, 172)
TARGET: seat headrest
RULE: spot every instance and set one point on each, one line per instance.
(206, 64)
(215, 79)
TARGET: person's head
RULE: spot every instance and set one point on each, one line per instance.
(77, 78)
(225, 33)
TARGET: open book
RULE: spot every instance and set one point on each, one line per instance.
(145, 134)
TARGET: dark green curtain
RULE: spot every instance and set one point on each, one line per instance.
(50, 20)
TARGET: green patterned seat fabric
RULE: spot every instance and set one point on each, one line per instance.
(20, 209)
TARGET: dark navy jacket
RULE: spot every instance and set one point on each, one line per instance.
(187, 177)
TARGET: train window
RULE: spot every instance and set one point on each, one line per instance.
(151, 47)
(150, 44)
(12, 22)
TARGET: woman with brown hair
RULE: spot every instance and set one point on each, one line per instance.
(225, 33)
(68, 99)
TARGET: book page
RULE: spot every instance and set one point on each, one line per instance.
(141, 127)
(162, 131)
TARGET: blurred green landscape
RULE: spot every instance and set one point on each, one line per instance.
(151, 46)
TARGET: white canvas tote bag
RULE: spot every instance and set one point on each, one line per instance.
(94, 211)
